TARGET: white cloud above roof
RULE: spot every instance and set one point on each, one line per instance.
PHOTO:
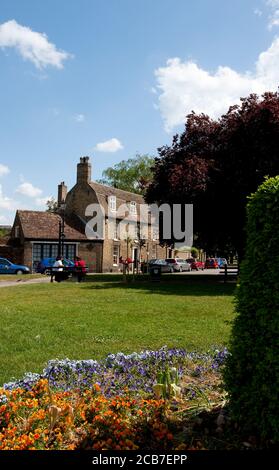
(27, 189)
(4, 170)
(31, 45)
(111, 146)
(185, 86)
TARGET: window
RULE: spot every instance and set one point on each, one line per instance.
(133, 208)
(112, 203)
(4, 262)
(135, 231)
(50, 250)
(153, 252)
(17, 231)
(115, 255)
(115, 231)
(155, 232)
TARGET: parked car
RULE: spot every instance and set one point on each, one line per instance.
(196, 264)
(211, 263)
(178, 264)
(7, 267)
(222, 262)
(46, 263)
(165, 267)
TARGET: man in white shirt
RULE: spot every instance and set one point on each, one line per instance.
(58, 265)
(57, 270)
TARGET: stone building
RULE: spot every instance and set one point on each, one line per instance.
(35, 234)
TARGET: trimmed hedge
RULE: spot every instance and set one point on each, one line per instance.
(252, 371)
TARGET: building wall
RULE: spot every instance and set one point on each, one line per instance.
(77, 200)
(27, 257)
(12, 253)
(92, 253)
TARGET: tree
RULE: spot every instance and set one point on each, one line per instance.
(252, 370)
(131, 175)
(215, 165)
(52, 205)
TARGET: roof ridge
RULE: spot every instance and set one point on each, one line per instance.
(116, 189)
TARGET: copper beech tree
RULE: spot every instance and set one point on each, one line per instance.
(216, 164)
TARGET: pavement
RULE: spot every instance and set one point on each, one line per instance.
(40, 280)
(24, 282)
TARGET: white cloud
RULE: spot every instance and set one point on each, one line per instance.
(41, 201)
(5, 202)
(274, 16)
(258, 12)
(79, 118)
(27, 189)
(184, 86)
(31, 45)
(4, 170)
(112, 145)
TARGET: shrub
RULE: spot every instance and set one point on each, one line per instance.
(252, 371)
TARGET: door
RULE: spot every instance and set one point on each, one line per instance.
(135, 257)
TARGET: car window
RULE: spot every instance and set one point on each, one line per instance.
(4, 262)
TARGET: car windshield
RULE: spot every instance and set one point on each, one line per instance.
(170, 260)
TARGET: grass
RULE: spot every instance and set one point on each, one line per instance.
(89, 320)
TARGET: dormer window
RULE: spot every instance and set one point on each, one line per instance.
(133, 208)
(112, 203)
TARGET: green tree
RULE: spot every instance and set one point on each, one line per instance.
(252, 371)
(132, 175)
(52, 205)
(215, 165)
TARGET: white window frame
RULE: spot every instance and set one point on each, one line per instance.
(115, 256)
(112, 203)
(116, 230)
(133, 208)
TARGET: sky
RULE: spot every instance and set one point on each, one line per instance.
(113, 78)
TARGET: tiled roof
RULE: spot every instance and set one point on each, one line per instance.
(45, 225)
(122, 197)
(104, 190)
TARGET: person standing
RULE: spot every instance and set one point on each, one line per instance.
(80, 268)
(57, 269)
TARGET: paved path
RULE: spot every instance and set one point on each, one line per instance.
(23, 282)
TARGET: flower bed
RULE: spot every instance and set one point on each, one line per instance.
(109, 404)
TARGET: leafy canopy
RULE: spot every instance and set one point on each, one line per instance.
(131, 175)
(252, 371)
(215, 165)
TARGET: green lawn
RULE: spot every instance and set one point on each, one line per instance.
(89, 320)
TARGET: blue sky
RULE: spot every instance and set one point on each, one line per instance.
(110, 78)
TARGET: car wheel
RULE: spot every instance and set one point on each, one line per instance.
(19, 271)
(180, 269)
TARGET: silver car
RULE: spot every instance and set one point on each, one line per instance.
(179, 264)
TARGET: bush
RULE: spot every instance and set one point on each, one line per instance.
(252, 371)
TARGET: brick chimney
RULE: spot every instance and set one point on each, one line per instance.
(84, 171)
(62, 193)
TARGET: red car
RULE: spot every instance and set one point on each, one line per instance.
(211, 263)
(195, 264)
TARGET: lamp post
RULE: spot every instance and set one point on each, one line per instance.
(61, 239)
